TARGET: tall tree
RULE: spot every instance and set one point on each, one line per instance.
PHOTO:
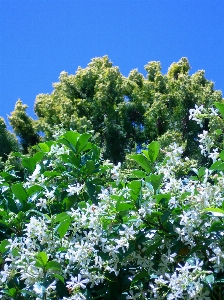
(120, 111)
(23, 126)
(8, 141)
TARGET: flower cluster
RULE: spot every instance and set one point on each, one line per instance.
(69, 234)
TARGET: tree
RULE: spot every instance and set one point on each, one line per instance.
(23, 126)
(123, 113)
(8, 141)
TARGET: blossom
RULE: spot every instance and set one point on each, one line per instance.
(77, 282)
(74, 189)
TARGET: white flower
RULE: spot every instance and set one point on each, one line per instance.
(128, 232)
(214, 155)
(77, 282)
(74, 189)
(42, 203)
(196, 114)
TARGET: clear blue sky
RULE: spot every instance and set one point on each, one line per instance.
(39, 39)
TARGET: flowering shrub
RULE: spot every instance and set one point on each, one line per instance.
(77, 227)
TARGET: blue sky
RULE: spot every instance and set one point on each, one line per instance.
(39, 39)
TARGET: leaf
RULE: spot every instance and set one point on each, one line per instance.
(91, 191)
(10, 292)
(44, 147)
(216, 226)
(42, 258)
(160, 197)
(61, 278)
(221, 155)
(63, 227)
(53, 265)
(82, 205)
(135, 187)
(142, 161)
(82, 142)
(3, 246)
(90, 165)
(51, 174)
(217, 212)
(139, 173)
(122, 206)
(153, 151)
(38, 156)
(62, 216)
(218, 165)
(71, 137)
(30, 293)
(155, 180)
(209, 279)
(143, 274)
(149, 250)
(201, 172)
(19, 191)
(29, 163)
(220, 107)
(33, 190)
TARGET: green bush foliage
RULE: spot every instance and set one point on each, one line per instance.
(80, 227)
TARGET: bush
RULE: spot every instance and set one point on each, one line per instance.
(78, 227)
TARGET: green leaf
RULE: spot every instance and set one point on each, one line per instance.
(220, 107)
(53, 265)
(29, 163)
(82, 205)
(38, 156)
(51, 174)
(135, 187)
(218, 165)
(122, 206)
(91, 191)
(160, 197)
(209, 279)
(142, 161)
(218, 131)
(3, 246)
(149, 250)
(82, 142)
(143, 274)
(71, 137)
(221, 155)
(10, 292)
(90, 165)
(33, 190)
(63, 227)
(153, 151)
(42, 258)
(155, 180)
(139, 173)
(62, 216)
(19, 191)
(216, 226)
(201, 172)
(44, 147)
(12, 206)
(217, 212)
(30, 293)
(61, 278)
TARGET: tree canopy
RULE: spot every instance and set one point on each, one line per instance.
(121, 112)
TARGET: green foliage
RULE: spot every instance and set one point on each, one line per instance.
(8, 141)
(122, 112)
(23, 126)
(77, 227)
